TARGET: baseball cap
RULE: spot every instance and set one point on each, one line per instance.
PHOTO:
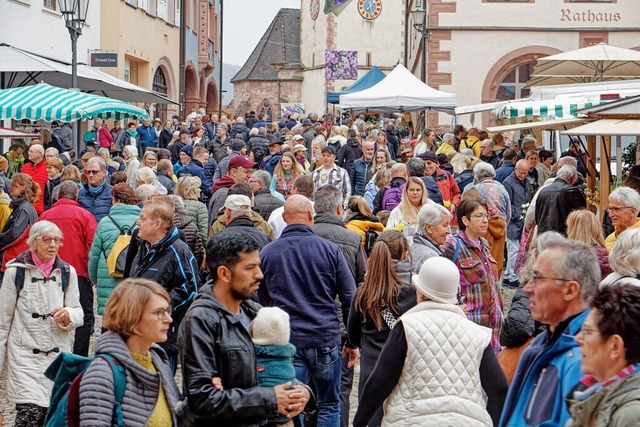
(307, 122)
(238, 203)
(297, 137)
(241, 162)
(330, 149)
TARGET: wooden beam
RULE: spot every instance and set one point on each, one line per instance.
(605, 177)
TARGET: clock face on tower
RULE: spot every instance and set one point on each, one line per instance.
(314, 8)
(370, 9)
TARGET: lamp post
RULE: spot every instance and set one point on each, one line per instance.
(419, 17)
(75, 16)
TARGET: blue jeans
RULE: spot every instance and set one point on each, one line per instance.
(322, 365)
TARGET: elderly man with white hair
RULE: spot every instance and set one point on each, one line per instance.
(557, 200)
(624, 204)
(433, 229)
(499, 205)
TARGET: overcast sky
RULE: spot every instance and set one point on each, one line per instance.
(245, 21)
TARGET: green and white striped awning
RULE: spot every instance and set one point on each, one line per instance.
(44, 102)
(543, 109)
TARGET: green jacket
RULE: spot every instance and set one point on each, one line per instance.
(105, 237)
(617, 405)
(200, 215)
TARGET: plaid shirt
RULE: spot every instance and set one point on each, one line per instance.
(478, 282)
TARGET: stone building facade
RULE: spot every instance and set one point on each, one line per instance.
(272, 74)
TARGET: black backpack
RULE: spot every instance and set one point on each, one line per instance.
(370, 238)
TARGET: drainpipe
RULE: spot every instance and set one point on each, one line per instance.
(183, 43)
(220, 70)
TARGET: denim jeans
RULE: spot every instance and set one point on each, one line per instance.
(512, 252)
(322, 365)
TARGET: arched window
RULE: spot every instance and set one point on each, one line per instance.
(160, 86)
(513, 83)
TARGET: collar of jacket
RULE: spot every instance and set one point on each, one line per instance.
(242, 221)
(427, 241)
(166, 241)
(327, 218)
(297, 229)
(26, 259)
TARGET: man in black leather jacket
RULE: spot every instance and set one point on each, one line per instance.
(215, 343)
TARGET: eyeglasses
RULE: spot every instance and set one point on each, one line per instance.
(47, 240)
(617, 209)
(162, 313)
(534, 277)
(480, 216)
(586, 331)
(92, 172)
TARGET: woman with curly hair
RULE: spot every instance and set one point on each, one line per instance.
(285, 174)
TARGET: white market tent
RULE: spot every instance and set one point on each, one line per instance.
(400, 91)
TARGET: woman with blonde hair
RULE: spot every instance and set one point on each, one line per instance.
(463, 163)
(381, 158)
(137, 316)
(583, 226)
(384, 296)
(188, 187)
(405, 215)
(336, 139)
(285, 174)
(149, 159)
(360, 218)
(146, 175)
(381, 179)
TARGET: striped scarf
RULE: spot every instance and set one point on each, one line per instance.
(594, 387)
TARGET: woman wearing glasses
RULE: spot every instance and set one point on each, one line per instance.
(39, 310)
(624, 205)
(609, 393)
(469, 250)
(137, 316)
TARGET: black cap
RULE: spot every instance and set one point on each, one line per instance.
(330, 149)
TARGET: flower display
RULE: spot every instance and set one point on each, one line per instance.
(341, 64)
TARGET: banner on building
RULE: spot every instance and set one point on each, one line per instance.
(341, 64)
(292, 108)
(335, 6)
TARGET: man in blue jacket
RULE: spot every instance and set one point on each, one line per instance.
(303, 274)
(95, 196)
(361, 171)
(563, 277)
(148, 137)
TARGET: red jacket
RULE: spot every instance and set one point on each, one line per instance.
(78, 226)
(105, 138)
(449, 189)
(39, 174)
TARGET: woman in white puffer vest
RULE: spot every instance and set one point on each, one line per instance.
(437, 368)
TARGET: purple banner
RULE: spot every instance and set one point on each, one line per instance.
(341, 64)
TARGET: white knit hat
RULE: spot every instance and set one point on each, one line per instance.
(438, 280)
(270, 327)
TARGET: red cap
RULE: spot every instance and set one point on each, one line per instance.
(241, 162)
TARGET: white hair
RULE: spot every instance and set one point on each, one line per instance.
(432, 214)
(483, 170)
(132, 150)
(624, 258)
(42, 228)
(627, 196)
(567, 172)
(146, 175)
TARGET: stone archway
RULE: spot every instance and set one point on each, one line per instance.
(212, 97)
(191, 92)
(505, 65)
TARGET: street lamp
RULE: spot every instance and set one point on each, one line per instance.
(75, 16)
(419, 17)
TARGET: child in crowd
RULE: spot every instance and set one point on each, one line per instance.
(274, 354)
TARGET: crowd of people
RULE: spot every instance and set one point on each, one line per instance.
(265, 260)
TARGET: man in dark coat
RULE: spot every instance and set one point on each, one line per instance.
(237, 211)
(556, 201)
(163, 257)
(264, 201)
(215, 342)
(349, 152)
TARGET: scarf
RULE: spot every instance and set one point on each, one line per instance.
(594, 387)
(97, 190)
(132, 134)
(45, 267)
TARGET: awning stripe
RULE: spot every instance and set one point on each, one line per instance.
(44, 102)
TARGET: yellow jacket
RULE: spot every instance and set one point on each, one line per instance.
(613, 237)
(361, 227)
(445, 148)
(472, 142)
(5, 209)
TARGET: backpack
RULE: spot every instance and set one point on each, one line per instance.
(65, 270)
(66, 372)
(117, 259)
(370, 237)
(392, 197)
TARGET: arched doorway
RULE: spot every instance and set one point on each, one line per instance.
(212, 98)
(160, 86)
(265, 107)
(191, 98)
